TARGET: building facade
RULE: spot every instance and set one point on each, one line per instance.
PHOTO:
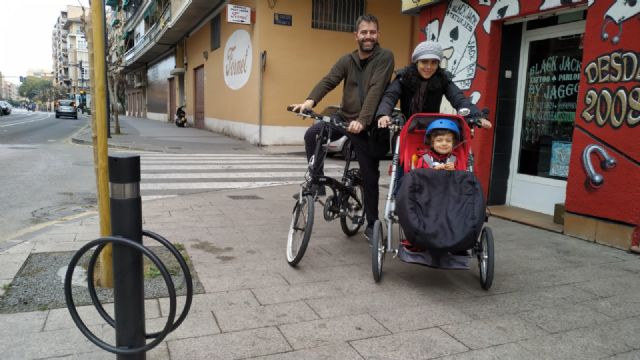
(71, 67)
(287, 46)
(561, 79)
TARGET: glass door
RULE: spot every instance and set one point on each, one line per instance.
(550, 65)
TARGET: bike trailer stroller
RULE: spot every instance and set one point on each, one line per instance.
(440, 214)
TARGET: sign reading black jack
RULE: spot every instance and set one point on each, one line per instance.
(549, 110)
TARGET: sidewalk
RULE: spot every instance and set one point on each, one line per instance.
(553, 297)
(160, 136)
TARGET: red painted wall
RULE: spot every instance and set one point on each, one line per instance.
(617, 199)
(477, 38)
(610, 75)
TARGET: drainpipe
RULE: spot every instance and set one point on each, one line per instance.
(263, 64)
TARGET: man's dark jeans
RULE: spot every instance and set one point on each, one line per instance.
(369, 166)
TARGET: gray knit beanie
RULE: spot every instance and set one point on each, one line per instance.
(427, 50)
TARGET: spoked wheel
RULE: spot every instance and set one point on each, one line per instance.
(485, 256)
(378, 251)
(353, 217)
(300, 229)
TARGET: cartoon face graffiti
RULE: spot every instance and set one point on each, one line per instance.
(619, 12)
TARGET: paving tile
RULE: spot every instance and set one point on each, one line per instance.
(631, 355)
(288, 293)
(61, 319)
(421, 344)
(250, 317)
(617, 307)
(49, 344)
(400, 319)
(586, 343)
(19, 324)
(10, 264)
(324, 332)
(480, 334)
(499, 352)
(340, 351)
(622, 284)
(211, 302)
(192, 326)
(563, 318)
(240, 281)
(235, 345)
(366, 303)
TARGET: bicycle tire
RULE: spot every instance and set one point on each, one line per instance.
(300, 232)
(352, 209)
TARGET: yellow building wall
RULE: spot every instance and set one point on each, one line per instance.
(221, 102)
(297, 57)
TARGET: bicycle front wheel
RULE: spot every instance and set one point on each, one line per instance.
(352, 212)
(300, 229)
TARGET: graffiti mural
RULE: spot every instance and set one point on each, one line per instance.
(619, 12)
(612, 104)
(500, 10)
(607, 150)
(457, 37)
(550, 4)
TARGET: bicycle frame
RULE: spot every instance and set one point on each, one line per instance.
(320, 152)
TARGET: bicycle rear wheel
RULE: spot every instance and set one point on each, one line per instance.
(300, 229)
(353, 216)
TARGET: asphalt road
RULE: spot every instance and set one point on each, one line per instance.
(44, 177)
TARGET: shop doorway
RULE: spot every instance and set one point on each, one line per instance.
(549, 74)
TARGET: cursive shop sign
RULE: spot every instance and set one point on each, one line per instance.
(237, 59)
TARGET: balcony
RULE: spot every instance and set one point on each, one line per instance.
(164, 34)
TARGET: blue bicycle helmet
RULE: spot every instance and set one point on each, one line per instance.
(444, 124)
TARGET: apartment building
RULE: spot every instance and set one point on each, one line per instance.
(71, 67)
(236, 65)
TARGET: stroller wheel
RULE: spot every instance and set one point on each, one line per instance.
(377, 250)
(485, 255)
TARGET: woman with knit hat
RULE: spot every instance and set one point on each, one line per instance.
(420, 87)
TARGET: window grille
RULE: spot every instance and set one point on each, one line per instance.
(337, 15)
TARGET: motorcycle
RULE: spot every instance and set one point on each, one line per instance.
(181, 117)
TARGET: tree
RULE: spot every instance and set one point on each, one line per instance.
(116, 47)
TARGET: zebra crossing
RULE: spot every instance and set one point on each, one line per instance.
(167, 175)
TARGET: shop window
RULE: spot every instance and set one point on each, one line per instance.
(215, 32)
(551, 94)
(336, 15)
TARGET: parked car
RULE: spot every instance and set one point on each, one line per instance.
(5, 108)
(66, 108)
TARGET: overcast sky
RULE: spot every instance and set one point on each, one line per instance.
(25, 34)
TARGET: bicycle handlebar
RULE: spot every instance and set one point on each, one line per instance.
(333, 120)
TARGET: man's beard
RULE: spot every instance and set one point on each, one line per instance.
(361, 45)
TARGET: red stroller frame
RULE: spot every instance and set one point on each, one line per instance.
(409, 142)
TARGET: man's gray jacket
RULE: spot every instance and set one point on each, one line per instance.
(375, 77)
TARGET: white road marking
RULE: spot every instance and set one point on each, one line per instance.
(230, 175)
(214, 185)
(248, 166)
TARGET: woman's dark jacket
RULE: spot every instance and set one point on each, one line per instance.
(428, 93)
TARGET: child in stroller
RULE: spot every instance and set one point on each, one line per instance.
(440, 213)
(441, 137)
